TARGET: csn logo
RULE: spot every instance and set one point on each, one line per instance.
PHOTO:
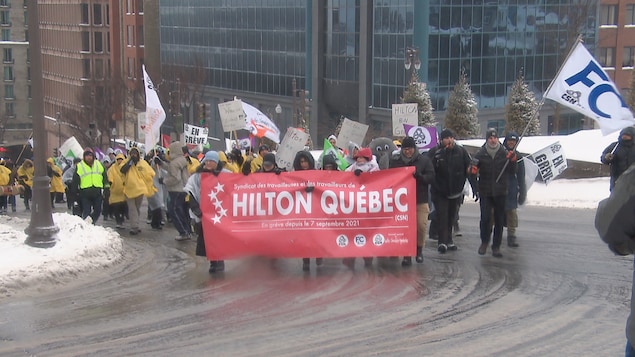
(379, 239)
(572, 96)
(342, 241)
(360, 240)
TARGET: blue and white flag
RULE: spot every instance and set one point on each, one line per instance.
(583, 86)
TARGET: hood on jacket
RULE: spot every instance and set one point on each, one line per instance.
(307, 155)
(329, 159)
(512, 135)
(628, 131)
(351, 148)
(175, 150)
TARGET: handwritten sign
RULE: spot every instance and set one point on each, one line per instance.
(292, 142)
(232, 115)
(407, 113)
(351, 131)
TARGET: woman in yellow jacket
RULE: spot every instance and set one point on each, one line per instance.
(137, 178)
(231, 166)
(25, 178)
(5, 176)
(117, 199)
(57, 186)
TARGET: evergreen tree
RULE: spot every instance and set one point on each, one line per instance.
(520, 109)
(462, 113)
(416, 92)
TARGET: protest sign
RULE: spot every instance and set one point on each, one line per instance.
(351, 131)
(194, 135)
(425, 137)
(232, 115)
(551, 161)
(292, 142)
(407, 113)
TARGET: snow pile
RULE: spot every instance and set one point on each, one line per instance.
(80, 247)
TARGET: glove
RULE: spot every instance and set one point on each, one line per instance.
(130, 162)
(197, 211)
(511, 156)
(414, 174)
(522, 198)
(160, 180)
(309, 189)
(157, 161)
(608, 157)
(475, 196)
(215, 173)
(277, 171)
(473, 170)
(357, 172)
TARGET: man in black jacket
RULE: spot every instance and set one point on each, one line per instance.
(451, 163)
(620, 155)
(424, 174)
(493, 163)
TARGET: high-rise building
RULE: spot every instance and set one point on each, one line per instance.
(616, 40)
(348, 56)
(15, 116)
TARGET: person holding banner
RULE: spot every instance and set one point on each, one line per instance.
(210, 164)
(451, 163)
(493, 164)
(424, 175)
(256, 163)
(517, 191)
(620, 155)
(304, 161)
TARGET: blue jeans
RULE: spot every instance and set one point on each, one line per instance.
(630, 352)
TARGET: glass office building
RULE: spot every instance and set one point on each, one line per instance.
(349, 54)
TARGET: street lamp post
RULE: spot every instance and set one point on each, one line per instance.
(42, 231)
(411, 58)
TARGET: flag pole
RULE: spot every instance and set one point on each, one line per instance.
(541, 102)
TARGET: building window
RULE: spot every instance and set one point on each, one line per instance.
(7, 55)
(99, 42)
(5, 20)
(130, 35)
(630, 15)
(140, 35)
(129, 9)
(107, 14)
(628, 57)
(28, 91)
(6, 35)
(84, 14)
(108, 41)
(8, 73)
(99, 69)
(606, 56)
(28, 73)
(4, 3)
(85, 41)
(608, 15)
(139, 6)
(130, 68)
(8, 91)
(9, 109)
(86, 68)
(97, 17)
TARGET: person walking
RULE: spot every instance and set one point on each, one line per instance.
(5, 179)
(209, 164)
(304, 161)
(451, 163)
(25, 178)
(516, 191)
(137, 180)
(620, 155)
(89, 180)
(174, 181)
(57, 186)
(616, 227)
(493, 164)
(424, 175)
(117, 199)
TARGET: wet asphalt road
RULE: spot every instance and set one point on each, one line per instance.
(562, 293)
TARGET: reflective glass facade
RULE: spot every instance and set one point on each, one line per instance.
(341, 40)
(493, 40)
(247, 45)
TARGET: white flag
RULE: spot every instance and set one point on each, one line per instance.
(155, 115)
(583, 86)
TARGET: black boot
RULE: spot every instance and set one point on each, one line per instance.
(419, 257)
(306, 264)
(216, 266)
(406, 262)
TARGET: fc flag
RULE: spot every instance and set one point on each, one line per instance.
(582, 85)
(342, 164)
(155, 115)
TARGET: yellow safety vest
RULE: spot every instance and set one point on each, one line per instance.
(90, 176)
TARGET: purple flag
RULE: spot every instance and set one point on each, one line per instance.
(425, 137)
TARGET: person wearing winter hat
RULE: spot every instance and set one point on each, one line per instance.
(210, 163)
(424, 176)
(620, 155)
(516, 192)
(89, 179)
(493, 163)
(256, 162)
(451, 163)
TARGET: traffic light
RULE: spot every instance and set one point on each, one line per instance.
(55, 153)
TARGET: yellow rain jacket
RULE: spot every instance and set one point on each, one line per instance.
(56, 181)
(116, 182)
(138, 180)
(5, 175)
(25, 174)
(231, 166)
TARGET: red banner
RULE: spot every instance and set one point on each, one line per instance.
(310, 214)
